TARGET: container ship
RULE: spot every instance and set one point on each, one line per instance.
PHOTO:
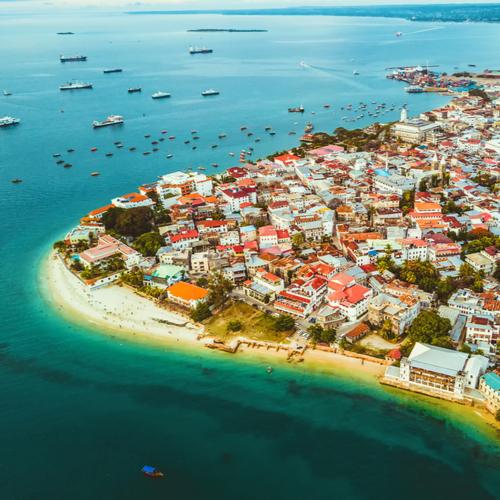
(75, 86)
(7, 121)
(64, 59)
(210, 92)
(110, 120)
(200, 50)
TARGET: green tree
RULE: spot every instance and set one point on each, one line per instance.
(406, 202)
(220, 288)
(386, 263)
(234, 325)
(203, 282)
(422, 273)
(298, 240)
(322, 335)
(284, 323)
(149, 243)
(129, 222)
(385, 330)
(200, 312)
(133, 278)
(430, 328)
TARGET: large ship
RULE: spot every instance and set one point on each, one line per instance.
(300, 109)
(160, 95)
(113, 70)
(414, 89)
(64, 59)
(75, 86)
(7, 121)
(132, 90)
(110, 120)
(200, 50)
(210, 92)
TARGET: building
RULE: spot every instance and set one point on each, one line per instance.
(416, 131)
(350, 298)
(186, 294)
(164, 275)
(132, 200)
(264, 287)
(108, 247)
(440, 370)
(489, 385)
(400, 311)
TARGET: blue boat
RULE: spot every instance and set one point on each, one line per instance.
(150, 471)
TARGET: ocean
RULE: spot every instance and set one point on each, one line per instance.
(82, 412)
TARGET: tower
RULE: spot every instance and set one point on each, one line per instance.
(404, 115)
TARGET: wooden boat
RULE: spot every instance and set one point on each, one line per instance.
(151, 471)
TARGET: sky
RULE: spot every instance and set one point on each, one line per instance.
(225, 4)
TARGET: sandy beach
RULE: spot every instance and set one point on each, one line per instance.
(118, 310)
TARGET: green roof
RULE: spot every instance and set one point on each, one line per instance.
(493, 380)
(167, 271)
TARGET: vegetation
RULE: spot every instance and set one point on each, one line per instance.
(406, 202)
(220, 288)
(429, 328)
(201, 312)
(284, 323)
(320, 335)
(149, 243)
(235, 325)
(133, 278)
(129, 222)
(385, 331)
(479, 93)
(422, 273)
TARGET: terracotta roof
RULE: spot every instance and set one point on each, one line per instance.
(187, 291)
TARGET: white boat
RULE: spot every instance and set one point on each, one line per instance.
(209, 92)
(355, 72)
(7, 93)
(110, 120)
(75, 86)
(7, 121)
(160, 95)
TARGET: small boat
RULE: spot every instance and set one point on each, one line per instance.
(272, 132)
(154, 142)
(215, 146)
(93, 150)
(471, 65)
(170, 156)
(59, 162)
(147, 136)
(133, 90)
(109, 121)
(398, 33)
(231, 154)
(132, 148)
(195, 137)
(355, 72)
(210, 92)
(249, 134)
(243, 128)
(201, 168)
(71, 150)
(326, 106)
(67, 165)
(269, 369)
(194, 131)
(109, 154)
(16, 181)
(146, 153)
(187, 142)
(151, 471)
(193, 148)
(56, 155)
(172, 137)
(200, 50)
(160, 95)
(6, 93)
(164, 131)
(215, 165)
(112, 70)
(156, 149)
(117, 142)
(94, 174)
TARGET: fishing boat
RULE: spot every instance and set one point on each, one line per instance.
(67, 165)
(133, 90)
(170, 156)
(56, 155)
(94, 174)
(16, 181)
(71, 150)
(171, 137)
(59, 162)
(299, 109)
(109, 154)
(326, 106)
(243, 128)
(93, 150)
(222, 136)
(215, 165)
(132, 148)
(151, 471)
(160, 95)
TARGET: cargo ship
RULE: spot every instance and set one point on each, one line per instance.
(160, 95)
(134, 89)
(110, 120)
(113, 70)
(200, 50)
(64, 59)
(75, 86)
(7, 121)
(300, 109)
(209, 92)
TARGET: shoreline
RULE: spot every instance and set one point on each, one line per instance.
(92, 309)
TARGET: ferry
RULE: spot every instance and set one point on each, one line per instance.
(200, 50)
(64, 59)
(160, 95)
(300, 109)
(7, 121)
(150, 471)
(110, 120)
(75, 86)
(132, 90)
(414, 89)
(113, 70)
(209, 92)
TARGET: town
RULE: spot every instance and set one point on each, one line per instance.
(386, 246)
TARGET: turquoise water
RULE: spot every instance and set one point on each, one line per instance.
(82, 412)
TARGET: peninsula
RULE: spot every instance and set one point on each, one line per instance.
(379, 248)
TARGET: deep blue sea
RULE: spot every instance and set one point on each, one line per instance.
(82, 412)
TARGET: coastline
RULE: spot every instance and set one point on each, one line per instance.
(68, 296)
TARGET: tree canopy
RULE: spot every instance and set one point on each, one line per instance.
(430, 328)
(149, 243)
(129, 222)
